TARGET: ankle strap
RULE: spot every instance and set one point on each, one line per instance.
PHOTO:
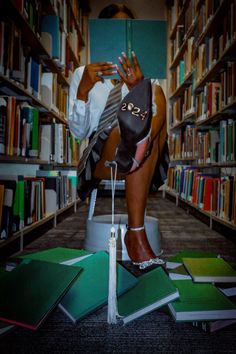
(135, 228)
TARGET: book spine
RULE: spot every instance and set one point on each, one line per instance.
(129, 39)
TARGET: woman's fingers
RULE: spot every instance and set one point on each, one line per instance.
(120, 72)
(135, 61)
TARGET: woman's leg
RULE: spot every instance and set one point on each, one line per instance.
(137, 186)
(137, 190)
(137, 183)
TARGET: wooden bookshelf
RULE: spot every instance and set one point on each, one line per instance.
(203, 142)
(29, 62)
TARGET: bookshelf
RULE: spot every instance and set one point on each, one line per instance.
(41, 42)
(202, 107)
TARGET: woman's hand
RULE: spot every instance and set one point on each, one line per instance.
(132, 73)
(92, 74)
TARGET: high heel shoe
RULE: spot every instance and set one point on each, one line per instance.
(146, 263)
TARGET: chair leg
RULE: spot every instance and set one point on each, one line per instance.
(92, 203)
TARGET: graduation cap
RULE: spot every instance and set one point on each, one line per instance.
(134, 117)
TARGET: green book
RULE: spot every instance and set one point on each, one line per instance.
(177, 259)
(90, 291)
(179, 273)
(210, 270)
(31, 290)
(58, 255)
(153, 290)
(147, 38)
(31, 116)
(200, 302)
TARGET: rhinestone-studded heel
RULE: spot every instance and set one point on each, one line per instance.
(152, 261)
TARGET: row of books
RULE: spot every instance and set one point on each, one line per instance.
(83, 288)
(33, 12)
(207, 191)
(205, 145)
(182, 107)
(22, 134)
(228, 27)
(25, 199)
(190, 14)
(210, 101)
(17, 61)
(217, 95)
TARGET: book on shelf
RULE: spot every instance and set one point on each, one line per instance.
(153, 290)
(51, 24)
(7, 207)
(117, 36)
(90, 292)
(32, 290)
(52, 194)
(210, 270)
(30, 119)
(18, 208)
(3, 124)
(35, 202)
(2, 190)
(200, 302)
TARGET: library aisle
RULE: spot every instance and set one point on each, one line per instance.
(153, 333)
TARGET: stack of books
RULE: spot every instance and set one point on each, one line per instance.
(207, 288)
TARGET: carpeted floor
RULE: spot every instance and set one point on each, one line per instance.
(153, 333)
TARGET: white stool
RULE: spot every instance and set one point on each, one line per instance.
(98, 231)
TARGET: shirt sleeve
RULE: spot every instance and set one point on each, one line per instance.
(79, 111)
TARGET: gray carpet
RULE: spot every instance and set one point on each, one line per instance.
(153, 333)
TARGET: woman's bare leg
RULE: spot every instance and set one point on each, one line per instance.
(137, 184)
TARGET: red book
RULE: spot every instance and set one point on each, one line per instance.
(207, 193)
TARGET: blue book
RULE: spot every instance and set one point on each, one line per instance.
(51, 24)
(34, 77)
(147, 38)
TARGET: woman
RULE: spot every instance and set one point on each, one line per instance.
(88, 95)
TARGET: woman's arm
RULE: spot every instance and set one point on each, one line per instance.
(79, 110)
(83, 117)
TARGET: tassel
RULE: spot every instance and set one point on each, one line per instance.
(112, 299)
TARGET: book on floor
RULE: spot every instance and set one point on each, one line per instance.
(58, 255)
(179, 273)
(90, 291)
(31, 291)
(153, 290)
(177, 259)
(200, 302)
(228, 289)
(213, 326)
(210, 270)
